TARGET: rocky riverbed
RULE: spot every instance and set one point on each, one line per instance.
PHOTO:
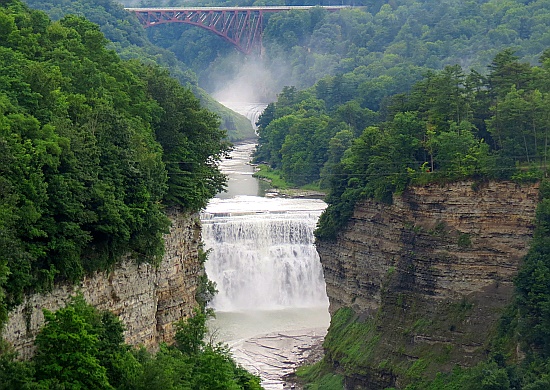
(275, 356)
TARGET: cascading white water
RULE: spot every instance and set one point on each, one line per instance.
(271, 307)
(262, 253)
(250, 110)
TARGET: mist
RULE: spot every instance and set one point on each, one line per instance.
(251, 81)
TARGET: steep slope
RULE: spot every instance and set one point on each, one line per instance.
(417, 287)
(148, 300)
(130, 41)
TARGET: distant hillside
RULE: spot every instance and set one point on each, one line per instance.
(130, 40)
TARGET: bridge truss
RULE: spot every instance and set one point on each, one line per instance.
(240, 26)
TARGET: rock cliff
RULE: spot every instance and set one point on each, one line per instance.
(147, 299)
(426, 278)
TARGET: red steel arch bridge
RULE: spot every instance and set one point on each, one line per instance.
(241, 26)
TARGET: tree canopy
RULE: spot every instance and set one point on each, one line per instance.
(80, 347)
(451, 125)
(130, 40)
(93, 148)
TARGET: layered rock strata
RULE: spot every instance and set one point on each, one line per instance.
(147, 299)
(433, 271)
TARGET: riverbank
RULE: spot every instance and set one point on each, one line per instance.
(276, 356)
(314, 355)
(280, 188)
(295, 193)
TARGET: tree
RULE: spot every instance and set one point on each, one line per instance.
(190, 332)
(337, 147)
(192, 141)
(14, 374)
(357, 118)
(457, 154)
(533, 283)
(303, 152)
(506, 71)
(67, 349)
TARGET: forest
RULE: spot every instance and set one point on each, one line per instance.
(385, 45)
(451, 126)
(93, 148)
(129, 39)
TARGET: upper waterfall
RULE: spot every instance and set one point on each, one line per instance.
(251, 111)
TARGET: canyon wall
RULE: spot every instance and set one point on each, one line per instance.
(147, 299)
(426, 277)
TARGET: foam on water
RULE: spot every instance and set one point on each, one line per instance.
(272, 300)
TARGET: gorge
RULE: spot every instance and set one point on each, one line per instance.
(436, 180)
(271, 305)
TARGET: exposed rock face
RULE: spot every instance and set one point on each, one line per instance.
(147, 299)
(433, 271)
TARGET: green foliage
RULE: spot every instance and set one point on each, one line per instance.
(350, 341)
(67, 351)
(450, 127)
(297, 143)
(92, 149)
(191, 140)
(318, 377)
(130, 40)
(205, 291)
(484, 376)
(190, 332)
(14, 374)
(438, 141)
(271, 175)
(361, 54)
(80, 347)
(472, 125)
(533, 285)
(464, 240)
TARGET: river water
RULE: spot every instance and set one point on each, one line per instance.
(272, 305)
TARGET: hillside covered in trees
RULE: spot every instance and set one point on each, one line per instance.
(384, 45)
(451, 126)
(92, 149)
(365, 55)
(129, 39)
(376, 98)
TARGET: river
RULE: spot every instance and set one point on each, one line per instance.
(272, 305)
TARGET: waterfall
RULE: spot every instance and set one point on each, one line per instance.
(251, 111)
(262, 253)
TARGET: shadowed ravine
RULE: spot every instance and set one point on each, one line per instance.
(272, 304)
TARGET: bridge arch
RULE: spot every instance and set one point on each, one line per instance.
(240, 26)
